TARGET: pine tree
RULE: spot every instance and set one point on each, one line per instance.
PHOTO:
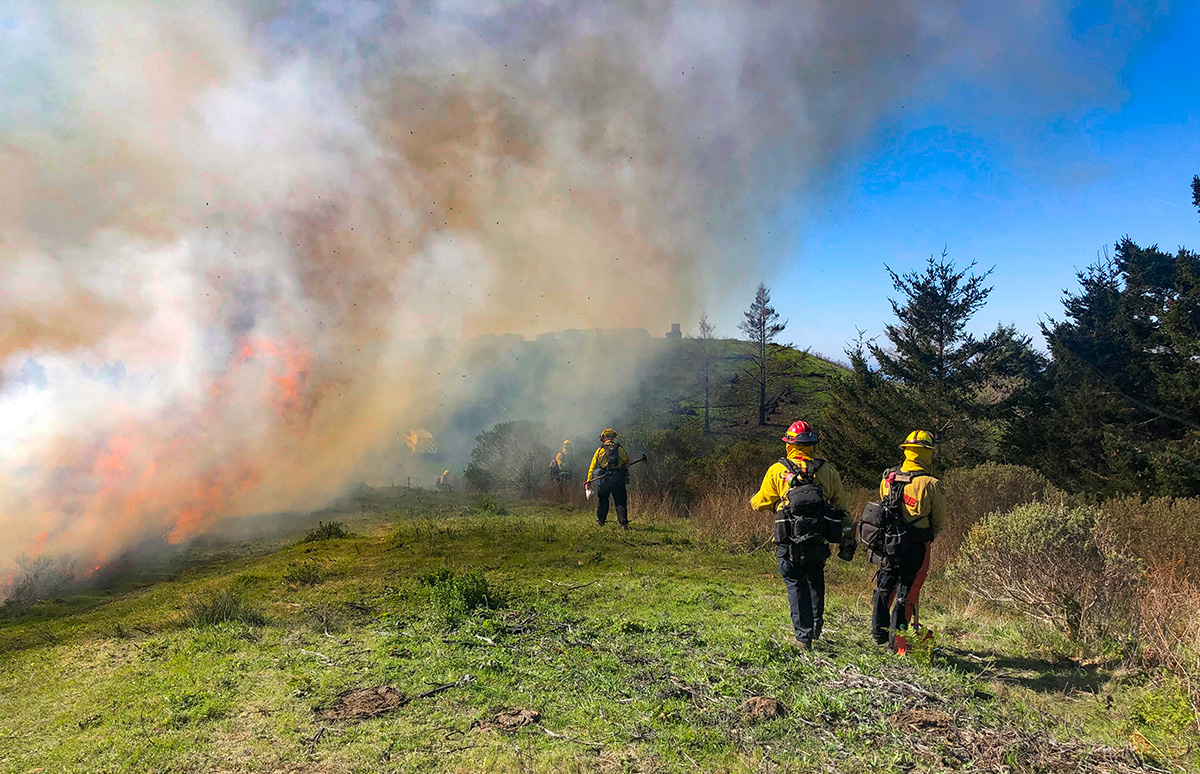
(865, 417)
(761, 326)
(1124, 385)
(930, 350)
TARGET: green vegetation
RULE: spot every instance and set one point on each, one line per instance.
(326, 530)
(214, 608)
(638, 650)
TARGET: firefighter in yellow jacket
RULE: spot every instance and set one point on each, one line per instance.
(562, 467)
(802, 564)
(610, 471)
(899, 578)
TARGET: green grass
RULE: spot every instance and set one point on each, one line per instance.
(637, 649)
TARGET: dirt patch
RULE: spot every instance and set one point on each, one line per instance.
(920, 719)
(757, 709)
(512, 719)
(364, 703)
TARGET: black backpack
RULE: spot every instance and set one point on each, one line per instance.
(805, 516)
(884, 528)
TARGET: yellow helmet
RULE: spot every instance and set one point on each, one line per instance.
(919, 439)
(566, 443)
(608, 433)
(445, 472)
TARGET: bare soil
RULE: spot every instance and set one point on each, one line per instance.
(364, 703)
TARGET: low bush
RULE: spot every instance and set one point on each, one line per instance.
(972, 493)
(511, 457)
(326, 530)
(486, 505)
(454, 597)
(36, 578)
(220, 607)
(1056, 563)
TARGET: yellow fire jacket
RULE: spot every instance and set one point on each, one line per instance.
(771, 495)
(924, 499)
(598, 460)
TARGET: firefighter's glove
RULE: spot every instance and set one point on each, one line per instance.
(849, 545)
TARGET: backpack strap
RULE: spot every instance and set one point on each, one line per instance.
(796, 470)
(904, 478)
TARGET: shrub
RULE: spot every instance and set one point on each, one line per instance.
(1161, 531)
(306, 574)
(1056, 563)
(455, 597)
(219, 607)
(326, 530)
(972, 493)
(512, 456)
(36, 578)
(486, 505)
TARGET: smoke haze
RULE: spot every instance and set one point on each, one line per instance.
(241, 245)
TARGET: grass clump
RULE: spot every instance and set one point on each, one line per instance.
(221, 607)
(486, 505)
(306, 574)
(455, 597)
(326, 530)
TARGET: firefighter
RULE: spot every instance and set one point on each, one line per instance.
(608, 474)
(443, 482)
(562, 467)
(803, 565)
(899, 578)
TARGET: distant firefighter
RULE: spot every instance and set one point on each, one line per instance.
(443, 482)
(562, 467)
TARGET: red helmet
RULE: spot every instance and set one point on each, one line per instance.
(801, 434)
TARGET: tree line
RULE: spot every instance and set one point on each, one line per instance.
(1112, 406)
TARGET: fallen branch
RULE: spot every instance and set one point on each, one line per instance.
(328, 661)
(576, 740)
(435, 691)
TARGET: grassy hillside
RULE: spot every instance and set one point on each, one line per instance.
(637, 652)
(671, 394)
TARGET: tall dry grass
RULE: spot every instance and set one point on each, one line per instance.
(1163, 531)
(1169, 628)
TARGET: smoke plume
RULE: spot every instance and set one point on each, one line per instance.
(242, 245)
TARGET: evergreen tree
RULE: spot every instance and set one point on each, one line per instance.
(1124, 384)
(866, 417)
(930, 350)
(761, 326)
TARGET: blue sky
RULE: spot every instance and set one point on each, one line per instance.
(1034, 193)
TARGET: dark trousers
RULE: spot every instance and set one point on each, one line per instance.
(895, 579)
(620, 499)
(803, 571)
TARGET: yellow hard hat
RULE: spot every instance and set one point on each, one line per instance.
(445, 472)
(919, 439)
(566, 443)
(608, 433)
